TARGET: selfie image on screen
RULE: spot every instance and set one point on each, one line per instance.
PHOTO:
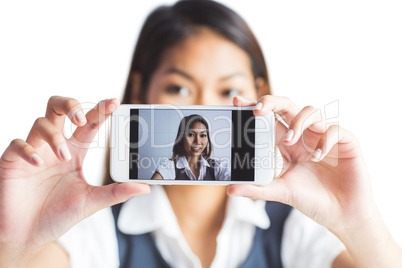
(166, 143)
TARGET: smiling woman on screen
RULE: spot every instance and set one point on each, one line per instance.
(191, 154)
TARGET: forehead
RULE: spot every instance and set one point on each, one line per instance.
(205, 54)
(198, 127)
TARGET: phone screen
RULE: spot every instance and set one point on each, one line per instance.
(192, 144)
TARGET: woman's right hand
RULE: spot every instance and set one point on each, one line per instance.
(43, 192)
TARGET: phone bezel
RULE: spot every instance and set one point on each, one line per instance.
(119, 170)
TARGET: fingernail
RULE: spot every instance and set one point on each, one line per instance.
(289, 135)
(80, 117)
(243, 99)
(36, 159)
(64, 152)
(147, 191)
(258, 106)
(112, 107)
(317, 155)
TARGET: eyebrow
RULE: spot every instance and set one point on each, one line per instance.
(232, 75)
(194, 130)
(174, 70)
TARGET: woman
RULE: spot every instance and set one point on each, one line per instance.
(191, 154)
(195, 52)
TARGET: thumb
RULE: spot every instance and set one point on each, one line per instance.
(275, 191)
(105, 196)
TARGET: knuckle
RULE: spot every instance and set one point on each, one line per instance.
(310, 108)
(56, 138)
(40, 121)
(265, 98)
(93, 124)
(70, 104)
(15, 142)
(21, 147)
(313, 114)
(288, 198)
(334, 127)
(114, 193)
(294, 124)
(52, 99)
(298, 122)
(319, 127)
(26, 149)
(335, 130)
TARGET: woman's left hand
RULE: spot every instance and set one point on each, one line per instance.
(324, 175)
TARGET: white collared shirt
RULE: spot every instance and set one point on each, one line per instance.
(93, 243)
(167, 169)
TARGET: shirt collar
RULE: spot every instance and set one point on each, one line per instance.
(182, 162)
(247, 210)
(147, 213)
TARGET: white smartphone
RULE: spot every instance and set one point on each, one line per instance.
(194, 144)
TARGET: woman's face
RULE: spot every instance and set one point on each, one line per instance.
(204, 69)
(196, 139)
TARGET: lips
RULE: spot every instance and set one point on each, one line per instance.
(197, 149)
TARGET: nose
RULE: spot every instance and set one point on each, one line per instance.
(202, 98)
(206, 96)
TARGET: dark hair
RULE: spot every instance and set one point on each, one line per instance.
(185, 124)
(166, 26)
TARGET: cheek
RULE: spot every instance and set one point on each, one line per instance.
(188, 141)
(153, 96)
(154, 93)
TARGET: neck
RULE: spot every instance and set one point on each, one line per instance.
(198, 207)
(193, 161)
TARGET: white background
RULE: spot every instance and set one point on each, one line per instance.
(318, 52)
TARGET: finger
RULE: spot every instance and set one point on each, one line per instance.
(334, 136)
(281, 106)
(280, 133)
(275, 191)
(280, 128)
(20, 149)
(243, 102)
(43, 131)
(309, 117)
(109, 195)
(58, 107)
(328, 140)
(84, 135)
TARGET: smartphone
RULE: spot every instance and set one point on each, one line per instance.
(193, 144)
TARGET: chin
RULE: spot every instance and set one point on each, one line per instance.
(196, 154)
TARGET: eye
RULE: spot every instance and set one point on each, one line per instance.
(230, 93)
(174, 89)
(203, 135)
(190, 135)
